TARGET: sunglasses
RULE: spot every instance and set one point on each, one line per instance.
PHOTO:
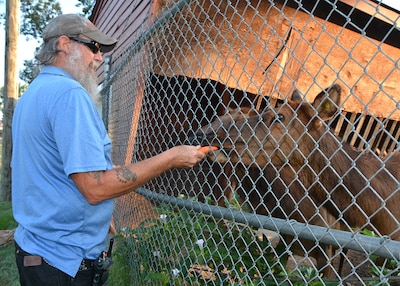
(92, 45)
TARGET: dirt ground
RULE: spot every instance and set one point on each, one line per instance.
(355, 270)
(356, 267)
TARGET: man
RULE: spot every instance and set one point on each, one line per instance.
(63, 179)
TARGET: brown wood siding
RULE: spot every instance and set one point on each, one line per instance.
(121, 20)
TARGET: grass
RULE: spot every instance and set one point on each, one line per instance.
(8, 268)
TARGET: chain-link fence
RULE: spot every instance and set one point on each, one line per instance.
(301, 99)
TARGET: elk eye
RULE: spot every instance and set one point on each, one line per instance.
(278, 118)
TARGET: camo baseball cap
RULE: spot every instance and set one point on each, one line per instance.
(73, 25)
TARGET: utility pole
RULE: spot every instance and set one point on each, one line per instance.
(10, 93)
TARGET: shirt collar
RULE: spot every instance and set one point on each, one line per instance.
(55, 71)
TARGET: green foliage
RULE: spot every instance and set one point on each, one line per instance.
(6, 217)
(30, 71)
(383, 268)
(87, 6)
(34, 17)
(232, 254)
(183, 247)
(8, 268)
(36, 14)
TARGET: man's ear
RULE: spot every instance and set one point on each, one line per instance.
(64, 44)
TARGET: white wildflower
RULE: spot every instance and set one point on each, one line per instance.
(200, 243)
(175, 272)
(163, 217)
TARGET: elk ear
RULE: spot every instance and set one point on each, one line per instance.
(231, 110)
(327, 102)
(296, 97)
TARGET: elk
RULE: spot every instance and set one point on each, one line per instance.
(325, 181)
(280, 203)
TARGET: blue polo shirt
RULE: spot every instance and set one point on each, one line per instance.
(57, 131)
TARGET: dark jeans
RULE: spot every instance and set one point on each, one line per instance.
(40, 273)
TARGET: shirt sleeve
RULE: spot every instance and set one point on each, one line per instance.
(79, 133)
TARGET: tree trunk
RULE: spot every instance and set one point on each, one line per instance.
(10, 92)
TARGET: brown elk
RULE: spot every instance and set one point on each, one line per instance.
(253, 189)
(324, 180)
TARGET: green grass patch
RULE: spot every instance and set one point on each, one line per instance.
(8, 268)
(6, 217)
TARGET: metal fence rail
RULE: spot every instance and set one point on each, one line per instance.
(303, 189)
(383, 247)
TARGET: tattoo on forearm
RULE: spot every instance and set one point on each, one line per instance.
(95, 175)
(125, 175)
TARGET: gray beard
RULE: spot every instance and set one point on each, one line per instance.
(87, 78)
(89, 82)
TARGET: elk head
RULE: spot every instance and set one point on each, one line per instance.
(289, 132)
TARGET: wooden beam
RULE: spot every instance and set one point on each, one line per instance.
(375, 10)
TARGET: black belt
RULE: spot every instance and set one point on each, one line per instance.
(86, 264)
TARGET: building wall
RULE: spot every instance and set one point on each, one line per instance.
(121, 20)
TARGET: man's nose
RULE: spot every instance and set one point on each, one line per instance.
(98, 56)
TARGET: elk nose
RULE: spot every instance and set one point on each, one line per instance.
(201, 139)
(194, 140)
